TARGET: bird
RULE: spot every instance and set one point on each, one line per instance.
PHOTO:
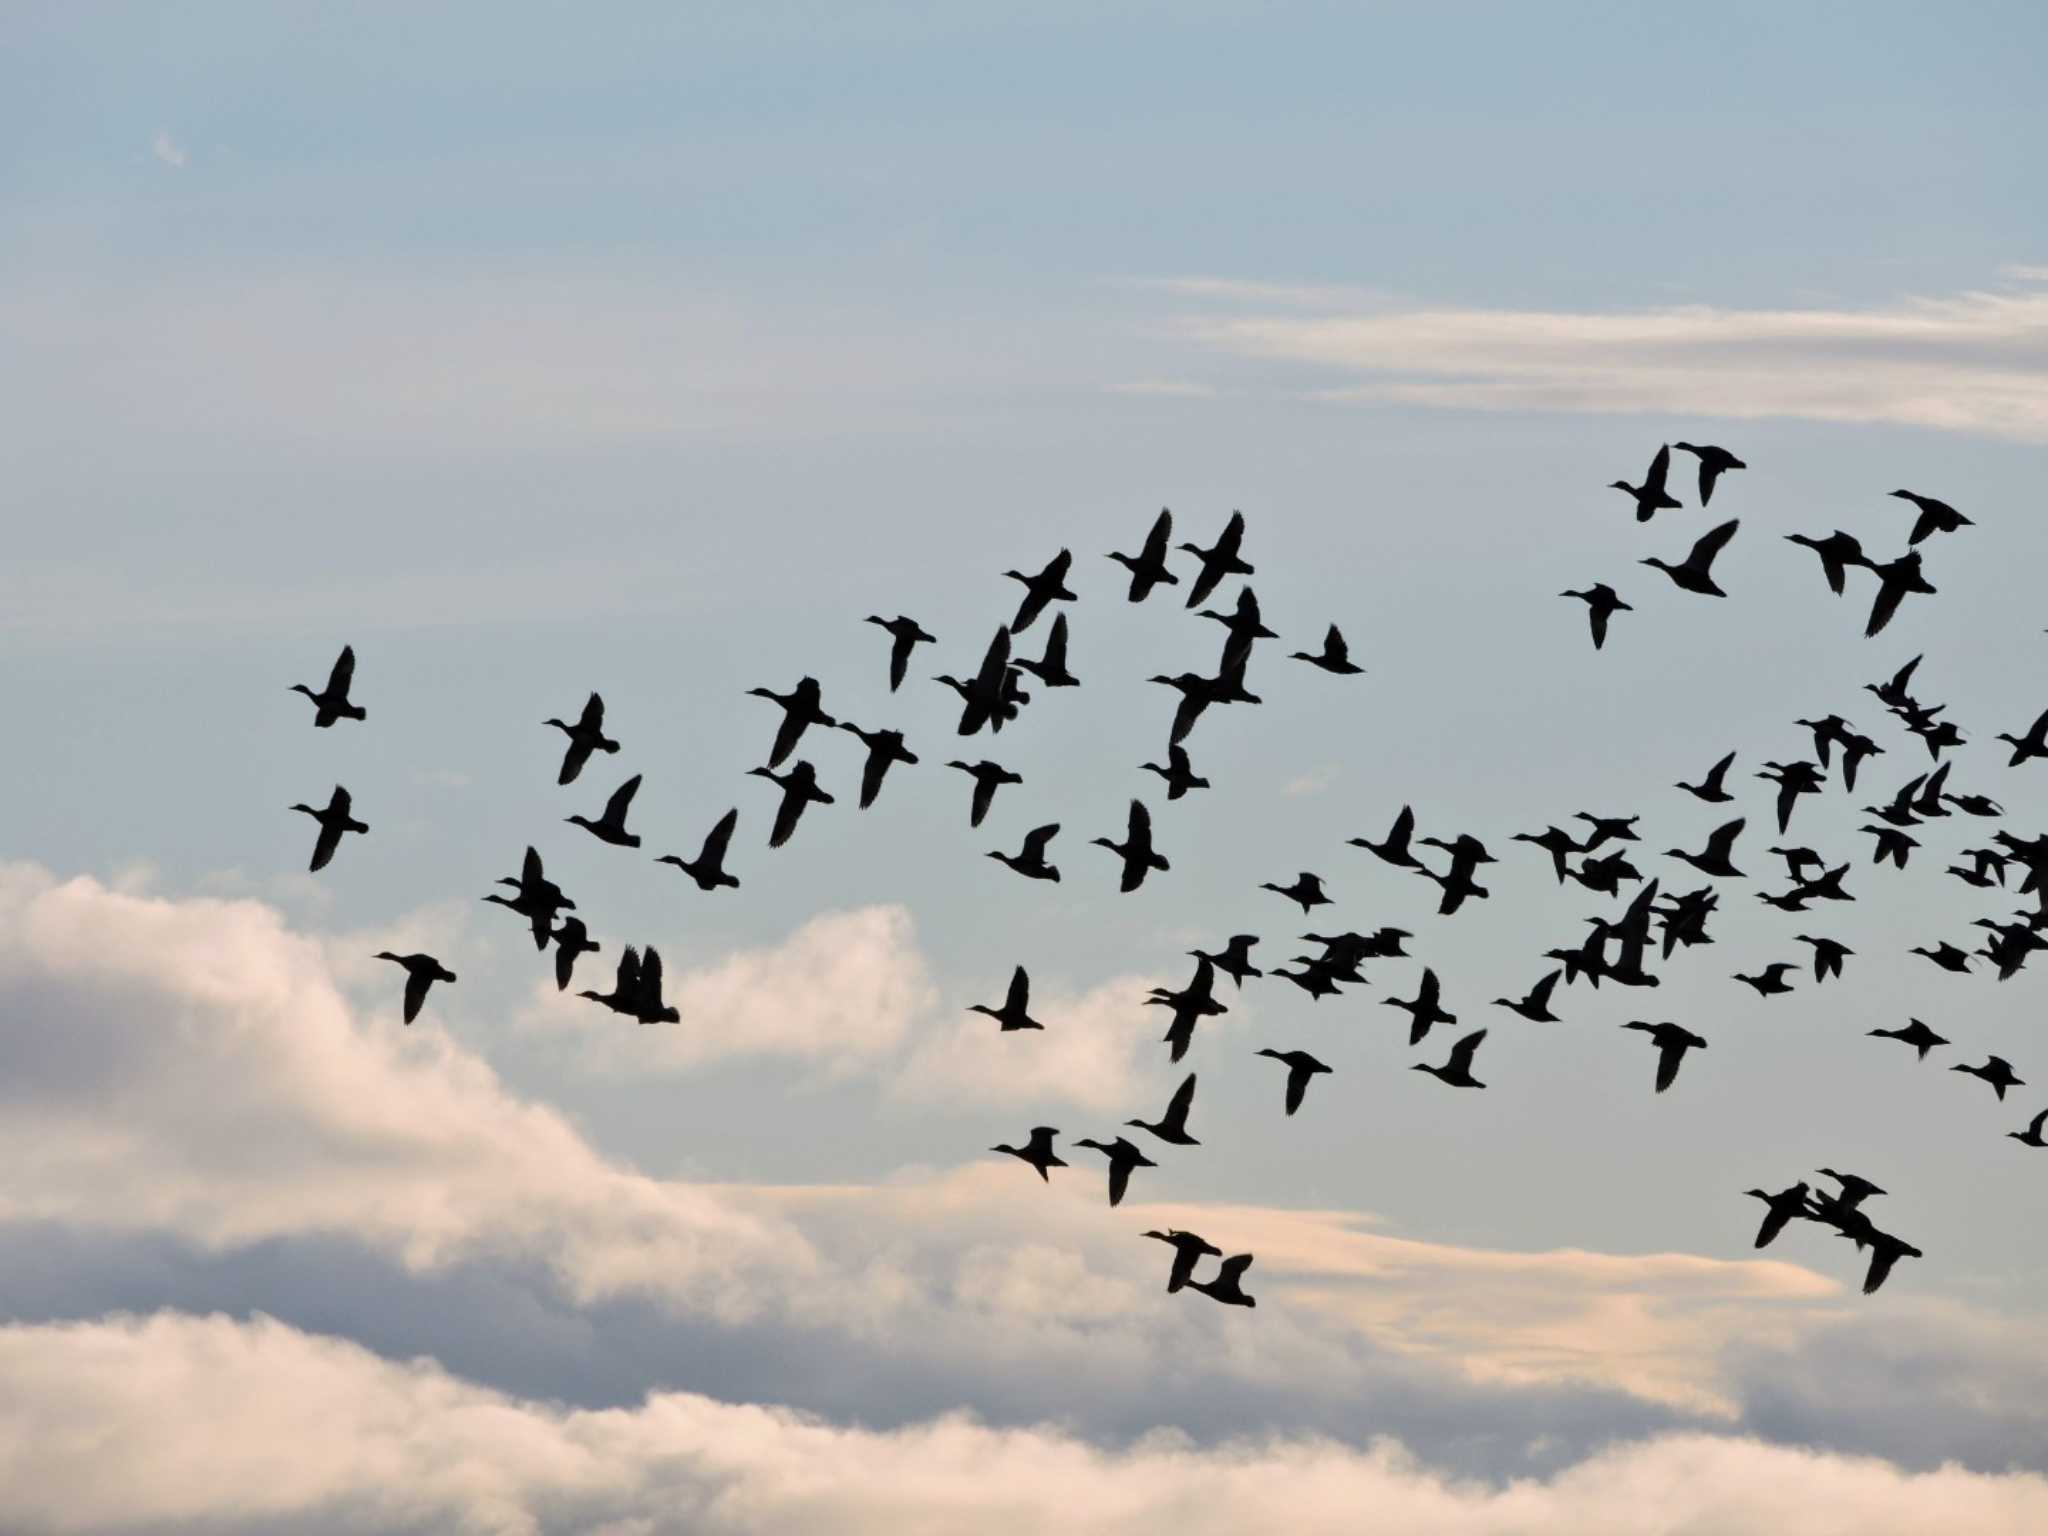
(1300, 1068)
(1315, 980)
(1196, 692)
(585, 737)
(1885, 1251)
(2031, 1136)
(1218, 561)
(992, 697)
(1244, 622)
(1191, 1004)
(572, 939)
(1770, 980)
(1975, 805)
(1188, 1251)
(1457, 1071)
(988, 778)
(1608, 829)
(1854, 750)
(1173, 1125)
(1672, 1042)
(1793, 780)
(1935, 517)
(1040, 590)
(1123, 1157)
(1709, 789)
(1895, 579)
(421, 972)
(1227, 1287)
(1037, 1151)
(1235, 959)
(799, 789)
(708, 868)
(1893, 693)
(1714, 463)
(2033, 744)
(539, 898)
(1536, 1006)
(800, 711)
(331, 703)
(335, 818)
(1713, 859)
(884, 748)
(1651, 497)
(1827, 955)
(1136, 850)
(1335, 655)
(625, 984)
(1838, 551)
(1854, 1191)
(1424, 1008)
(1945, 955)
(1695, 572)
(1784, 1205)
(1554, 841)
(1148, 566)
(1029, 861)
(1307, 890)
(647, 1005)
(1394, 850)
(1996, 1071)
(905, 635)
(1602, 603)
(611, 826)
(1051, 668)
(1015, 1012)
(1179, 774)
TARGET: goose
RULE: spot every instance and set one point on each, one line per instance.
(331, 703)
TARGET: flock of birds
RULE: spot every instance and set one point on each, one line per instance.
(1615, 950)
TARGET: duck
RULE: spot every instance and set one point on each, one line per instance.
(1173, 1125)
(1047, 586)
(1536, 1006)
(801, 709)
(610, 827)
(572, 940)
(331, 703)
(1996, 1071)
(1123, 1158)
(1695, 572)
(988, 778)
(1714, 463)
(1672, 1042)
(585, 737)
(1227, 1287)
(421, 972)
(905, 635)
(1334, 657)
(1218, 561)
(708, 868)
(1394, 849)
(1602, 603)
(1457, 1071)
(884, 749)
(1424, 1008)
(1148, 566)
(1935, 516)
(1015, 1013)
(1029, 861)
(1037, 1151)
(1188, 1250)
(1051, 668)
(335, 818)
(799, 789)
(1650, 497)
(1307, 890)
(1136, 850)
(1179, 773)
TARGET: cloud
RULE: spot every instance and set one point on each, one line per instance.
(1973, 362)
(208, 1423)
(1314, 782)
(166, 151)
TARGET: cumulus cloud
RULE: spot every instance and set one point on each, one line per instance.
(207, 1423)
(1970, 362)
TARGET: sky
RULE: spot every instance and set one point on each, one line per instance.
(534, 350)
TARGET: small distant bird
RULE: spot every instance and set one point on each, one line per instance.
(1016, 1010)
(1227, 1287)
(1300, 1068)
(1714, 463)
(572, 940)
(1335, 655)
(1826, 887)
(1602, 603)
(611, 826)
(334, 819)
(1148, 566)
(1179, 774)
(1536, 1006)
(1713, 859)
(799, 788)
(1996, 1071)
(1854, 1191)
(1188, 1251)
(1037, 1151)
(1650, 497)
(708, 868)
(1051, 668)
(884, 748)
(988, 778)
(1784, 1205)
(331, 703)
(1945, 955)
(1672, 1042)
(1123, 1157)
(1827, 955)
(2031, 1136)
(1975, 805)
(1695, 572)
(1139, 856)
(1395, 849)
(1042, 589)
(1709, 789)
(1307, 890)
(1838, 551)
(1029, 861)
(800, 711)
(2033, 744)
(1895, 579)
(1457, 1071)
(585, 737)
(421, 972)
(905, 635)
(1235, 959)
(1770, 980)
(1173, 1125)
(1424, 1008)
(1220, 560)
(1935, 516)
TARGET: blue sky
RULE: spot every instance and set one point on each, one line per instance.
(538, 351)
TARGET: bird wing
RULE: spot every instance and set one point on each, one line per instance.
(1774, 1223)
(786, 816)
(1710, 471)
(343, 674)
(1669, 1054)
(1035, 841)
(1597, 617)
(1724, 836)
(720, 835)
(984, 797)
(1156, 540)
(871, 773)
(648, 986)
(628, 979)
(1428, 994)
(1882, 1257)
(1017, 1000)
(2037, 733)
(1055, 661)
(2033, 1126)
(573, 760)
(416, 984)
(622, 797)
(530, 868)
(324, 845)
(1403, 829)
(899, 657)
(1660, 467)
(1334, 648)
(1184, 1096)
(787, 735)
(1192, 703)
(1298, 1074)
(1711, 544)
(1929, 521)
(1232, 1269)
(1140, 825)
(1119, 1179)
(1719, 772)
(1233, 536)
(1461, 1053)
(592, 718)
(1539, 995)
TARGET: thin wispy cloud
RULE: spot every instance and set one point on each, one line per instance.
(168, 151)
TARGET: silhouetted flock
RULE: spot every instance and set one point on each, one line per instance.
(1613, 950)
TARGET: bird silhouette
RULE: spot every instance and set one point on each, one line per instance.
(884, 748)
(585, 737)
(1714, 463)
(1554, 841)
(2032, 745)
(1300, 1068)
(1695, 572)
(1784, 1205)
(1536, 1006)
(1016, 1010)
(1770, 980)
(1335, 655)
(1713, 859)
(1709, 789)
(991, 698)
(1895, 578)
(1672, 1042)
(1996, 1071)
(1188, 1251)
(1650, 497)
(331, 703)
(1945, 955)
(1190, 1005)
(1123, 1157)
(1457, 1071)
(1047, 586)
(1173, 1125)
(625, 986)
(1935, 516)
(1855, 1189)
(1051, 668)
(708, 868)
(1793, 780)
(1179, 774)
(1029, 861)
(647, 1005)
(800, 711)
(1306, 890)
(1838, 551)
(1892, 694)
(421, 972)
(538, 900)
(1827, 955)
(572, 939)
(1394, 850)
(1608, 829)
(1424, 1008)
(1136, 850)
(905, 635)
(988, 778)
(1218, 561)
(1235, 958)
(1227, 1287)
(1602, 603)
(1037, 1151)
(1245, 625)
(611, 826)
(2031, 1136)
(1196, 692)
(799, 788)
(1148, 566)
(1854, 750)
(335, 818)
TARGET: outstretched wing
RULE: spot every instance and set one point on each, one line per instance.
(1184, 1097)
(1017, 1000)
(530, 869)
(1119, 1180)
(1890, 594)
(1723, 839)
(325, 844)
(1461, 1053)
(573, 760)
(1711, 543)
(1036, 839)
(984, 797)
(1539, 995)
(1660, 469)
(622, 797)
(344, 673)
(1298, 1074)
(714, 845)
(786, 815)
(591, 721)
(416, 984)
(1156, 540)
(1140, 825)
(1669, 1054)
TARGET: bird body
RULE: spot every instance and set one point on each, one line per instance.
(799, 789)
(331, 703)
(421, 972)
(1029, 861)
(1148, 566)
(610, 827)
(1016, 1010)
(585, 737)
(1650, 497)
(1695, 572)
(708, 868)
(335, 818)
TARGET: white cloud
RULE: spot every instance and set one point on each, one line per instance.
(167, 151)
(1314, 782)
(209, 1423)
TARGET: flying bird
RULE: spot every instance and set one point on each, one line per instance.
(1037, 1151)
(884, 748)
(585, 737)
(1300, 1068)
(1996, 1071)
(1895, 579)
(1536, 1006)
(1714, 463)
(421, 972)
(1602, 603)
(1148, 566)
(1709, 789)
(2032, 745)
(1051, 668)
(2031, 1136)
(1424, 1008)
(1218, 561)
(1173, 1125)
(1695, 572)
(1783, 1206)
(1029, 861)
(905, 635)
(1335, 655)
(1188, 1251)
(1307, 890)
(610, 827)
(1235, 959)
(1672, 1042)
(1136, 850)
(335, 818)
(1650, 497)
(1935, 516)
(708, 868)
(1048, 585)
(800, 711)
(1123, 1157)
(1179, 773)
(331, 703)
(1770, 980)
(1015, 1013)
(1394, 850)
(1713, 859)
(1827, 955)
(799, 788)
(988, 778)
(1838, 551)
(1457, 1071)
(572, 940)
(538, 900)
(1227, 1287)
